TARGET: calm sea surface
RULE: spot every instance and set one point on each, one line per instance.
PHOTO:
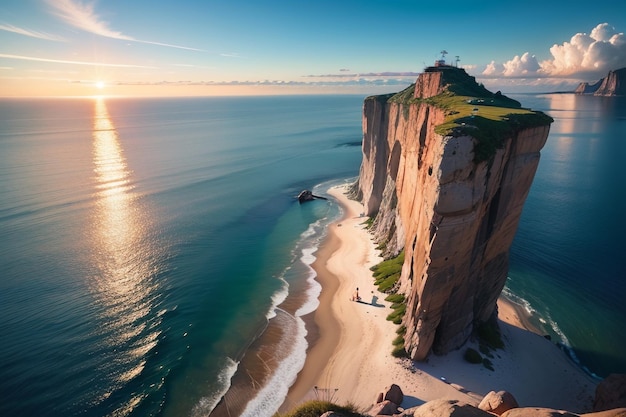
(147, 244)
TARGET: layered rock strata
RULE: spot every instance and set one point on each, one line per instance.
(453, 215)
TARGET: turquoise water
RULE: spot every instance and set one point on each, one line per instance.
(147, 243)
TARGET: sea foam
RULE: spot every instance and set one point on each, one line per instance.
(208, 403)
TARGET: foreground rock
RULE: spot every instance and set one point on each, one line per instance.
(501, 403)
(611, 393)
(391, 393)
(498, 402)
(449, 408)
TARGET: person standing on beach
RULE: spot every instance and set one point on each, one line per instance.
(355, 296)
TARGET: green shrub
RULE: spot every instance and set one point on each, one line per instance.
(472, 356)
(386, 284)
(317, 408)
(395, 298)
(397, 313)
(387, 273)
(489, 333)
(399, 352)
(399, 340)
(485, 350)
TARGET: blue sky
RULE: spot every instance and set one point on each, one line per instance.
(140, 47)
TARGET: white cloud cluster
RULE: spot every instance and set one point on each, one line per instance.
(519, 66)
(602, 50)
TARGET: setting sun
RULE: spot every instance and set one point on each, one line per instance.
(100, 85)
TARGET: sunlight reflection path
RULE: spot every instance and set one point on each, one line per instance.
(126, 261)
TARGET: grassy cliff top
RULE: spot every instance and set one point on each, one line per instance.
(473, 110)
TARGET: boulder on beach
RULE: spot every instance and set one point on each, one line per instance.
(498, 402)
(610, 393)
(449, 408)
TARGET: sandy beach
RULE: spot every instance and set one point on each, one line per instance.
(349, 360)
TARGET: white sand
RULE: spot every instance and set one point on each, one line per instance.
(351, 362)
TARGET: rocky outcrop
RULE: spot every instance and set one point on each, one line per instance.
(610, 393)
(614, 84)
(307, 195)
(498, 402)
(454, 214)
(586, 88)
(391, 393)
(449, 408)
(501, 403)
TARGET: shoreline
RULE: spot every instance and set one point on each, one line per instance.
(349, 356)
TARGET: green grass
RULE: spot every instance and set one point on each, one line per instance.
(317, 408)
(395, 298)
(397, 314)
(368, 223)
(496, 117)
(387, 273)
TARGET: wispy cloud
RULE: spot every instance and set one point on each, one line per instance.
(326, 83)
(31, 33)
(192, 66)
(62, 61)
(83, 16)
(390, 74)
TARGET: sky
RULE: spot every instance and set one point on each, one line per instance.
(253, 47)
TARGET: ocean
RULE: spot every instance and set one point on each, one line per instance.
(153, 253)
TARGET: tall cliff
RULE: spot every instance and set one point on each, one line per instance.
(446, 168)
(614, 84)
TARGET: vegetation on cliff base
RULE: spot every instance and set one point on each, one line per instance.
(473, 110)
(386, 275)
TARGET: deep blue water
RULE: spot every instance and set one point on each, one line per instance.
(567, 260)
(146, 242)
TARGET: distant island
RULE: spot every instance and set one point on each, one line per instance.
(614, 84)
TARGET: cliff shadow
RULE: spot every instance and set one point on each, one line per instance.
(410, 402)
(373, 302)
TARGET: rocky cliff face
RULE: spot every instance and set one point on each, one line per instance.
(454, 216)
(614, 84)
